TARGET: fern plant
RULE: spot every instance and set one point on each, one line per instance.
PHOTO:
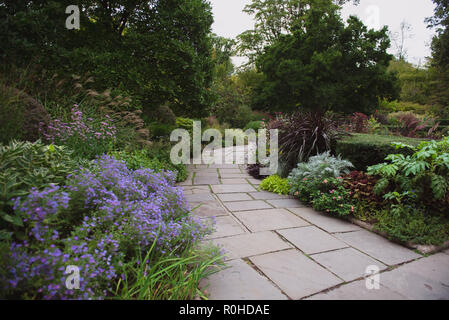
(320, 167)
(425, 173)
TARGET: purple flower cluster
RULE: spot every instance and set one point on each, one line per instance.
(103, 218)
(84, 129)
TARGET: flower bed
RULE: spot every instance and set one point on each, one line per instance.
(103, 220)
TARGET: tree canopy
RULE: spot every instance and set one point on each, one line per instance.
(157, 50)
(273, 18)
(325, 64)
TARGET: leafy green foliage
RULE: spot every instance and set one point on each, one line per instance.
(328, 195)
(255, 125)
(11, 115)
(273, 18)
(305, 69)
(160, 130)
(364, 150)
(336, 201)
(275, 184)
(424, 173)
(25, 165)
(158, 160)
(185, 123)
(320, 167)
(409, 224)
(157, 50)
(152, 277)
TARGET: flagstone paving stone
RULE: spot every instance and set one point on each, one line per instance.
(232, 188)
(294, 252)
(208, 209)
(294, 273)
(234, 197)
(251, 244)
(348, 263)
(424, 279)
(312, 240)
(226, 226)
(265, 195)
(196, 189)
(241, 282)
(378, 247)
(247, 205)
(200, 197)
(234, 175)
(206, 180)
(272, 219)
(234, 181)
(254, 181)
(229, 171)
(323, 221)
(358, 290)
(286, 203)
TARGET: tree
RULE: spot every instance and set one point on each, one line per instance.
(157, 50)
(325, 64)
(440, 56)
(272, 19)
(399, 39)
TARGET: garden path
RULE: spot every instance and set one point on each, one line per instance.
(277, 248)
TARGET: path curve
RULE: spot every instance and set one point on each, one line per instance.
(277, 248)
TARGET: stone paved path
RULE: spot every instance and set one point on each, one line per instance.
(276, 248)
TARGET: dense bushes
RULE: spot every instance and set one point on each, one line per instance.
(422, 177)
(147, 50)
(20, 115)
(102, 220)
(407, 198)
(255, 125)
(156, 160)
(364, 150)
(319, 183)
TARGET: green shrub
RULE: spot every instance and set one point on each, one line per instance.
(25, 165)
(255, 125)
(327, 195)
(20, 115)
(160, 130)
(275, 184)
(404, 106)
(11, 115)
(158, 160)
(320, 167)
(364, 150)
(185, 123)
(334, 199)
(412, 225)
(423, 176)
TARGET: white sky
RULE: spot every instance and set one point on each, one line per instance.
(231, 21)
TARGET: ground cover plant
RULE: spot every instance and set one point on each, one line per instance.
(275, 184)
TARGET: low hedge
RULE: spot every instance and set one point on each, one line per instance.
(365, 150)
